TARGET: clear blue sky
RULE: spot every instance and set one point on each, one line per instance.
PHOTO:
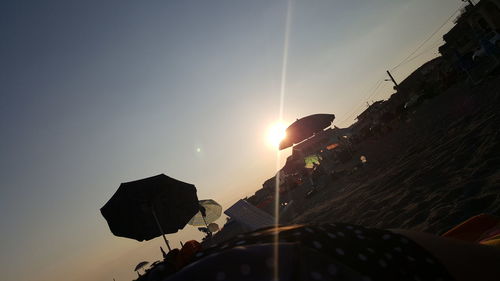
(95, 93)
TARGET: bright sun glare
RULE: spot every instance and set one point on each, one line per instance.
(275, 134)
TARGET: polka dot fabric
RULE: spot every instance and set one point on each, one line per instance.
(316, 252)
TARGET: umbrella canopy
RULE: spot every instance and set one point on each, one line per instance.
(147, 208)
(140, 265)
(209, 212)
(305, 127)
(213, 227)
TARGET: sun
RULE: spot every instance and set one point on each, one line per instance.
(275, 134)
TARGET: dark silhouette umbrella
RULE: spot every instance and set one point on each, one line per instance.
(150, 207)
(140, 265)
(306, 127)
(209, 212)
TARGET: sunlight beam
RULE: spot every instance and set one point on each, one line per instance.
(278, 154)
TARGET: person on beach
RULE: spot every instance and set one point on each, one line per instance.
(317, 173)
(342, 251)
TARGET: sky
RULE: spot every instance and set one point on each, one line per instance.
(96, 93)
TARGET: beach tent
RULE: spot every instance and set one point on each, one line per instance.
(292, 165)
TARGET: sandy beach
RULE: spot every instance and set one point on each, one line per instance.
(430, 173)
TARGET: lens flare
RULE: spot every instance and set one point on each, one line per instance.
(276, 269)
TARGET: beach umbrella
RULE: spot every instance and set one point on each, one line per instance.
(305, 127)
(213, 227)
(140, 265)
(209, 211)
(150, 207)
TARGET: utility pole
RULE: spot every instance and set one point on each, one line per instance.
(393, 81)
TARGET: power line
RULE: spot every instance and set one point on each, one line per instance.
(407, 59)
(423, 52)
(372, 91)
(430, 48)
(427, 39)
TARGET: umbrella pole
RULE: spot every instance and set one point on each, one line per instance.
(204, 220)
(161, 229)
(206, 225)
